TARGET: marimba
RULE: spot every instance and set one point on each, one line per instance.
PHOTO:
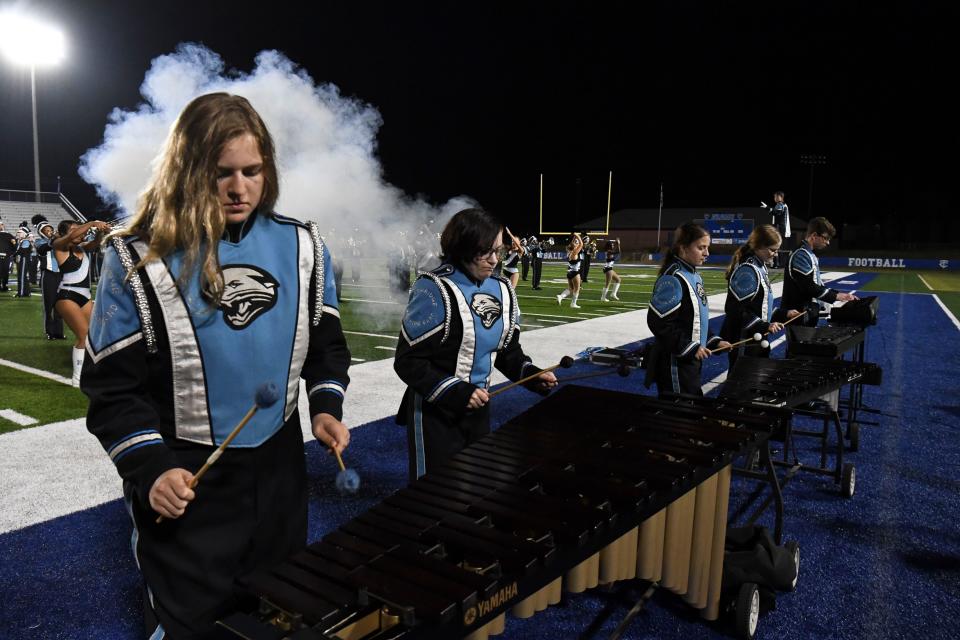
(794, 383)
(542, 505)
(831, 341)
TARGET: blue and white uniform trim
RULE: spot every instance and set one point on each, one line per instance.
(327, 386)
(442, 387)
(132, 442)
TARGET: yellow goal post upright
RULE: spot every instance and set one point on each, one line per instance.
(604, 232)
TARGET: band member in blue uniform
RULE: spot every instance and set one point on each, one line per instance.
(49, 277)
(23, 251)
(460, 322)
(679, 316)
(8, 246)
(612, 279)
(780, 219)
(535, 247)
(574, 258)
(749, 305)
(207, 295)
(73, 293)
(803, 289)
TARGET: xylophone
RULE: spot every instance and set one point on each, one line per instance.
(797, 382)
(542, 505)
(830, 341)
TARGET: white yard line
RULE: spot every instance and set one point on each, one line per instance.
(950, 315)
(17, 417)
(372, 335)
(385, 348)
(36, 372)
(925, 282)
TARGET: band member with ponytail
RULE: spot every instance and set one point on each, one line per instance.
(679, 316)
(574, 258)
(460, 323)
(749, 304)
(612, 284)
(207, 296)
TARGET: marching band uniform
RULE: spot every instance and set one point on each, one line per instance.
(454, 331)
(679, 318)
(748, 307)
(24, 249)
(169, 376)
(803, 288)
(536, 260)
(49, 284)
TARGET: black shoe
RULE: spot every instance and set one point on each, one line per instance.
(49, 337)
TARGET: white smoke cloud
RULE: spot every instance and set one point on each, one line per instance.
(326, 145)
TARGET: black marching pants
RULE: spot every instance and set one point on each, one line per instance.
(433, 435)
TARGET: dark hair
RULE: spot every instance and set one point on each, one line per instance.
(469, 233)
(780, 193)
(762, 236)
(822, 226)
(64, 226)
(685, 235)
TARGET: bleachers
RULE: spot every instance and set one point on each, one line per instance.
(15, 212)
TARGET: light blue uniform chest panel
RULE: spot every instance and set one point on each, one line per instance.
(485, 314)
(744, 283)
(667, 295)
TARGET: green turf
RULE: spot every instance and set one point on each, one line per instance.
(22, 338)
(44, 400)
(898, 282)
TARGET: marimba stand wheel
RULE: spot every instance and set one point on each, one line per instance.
(853, 435)
(746, 611)
(848, 480)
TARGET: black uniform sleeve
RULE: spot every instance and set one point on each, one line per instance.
(328, 357)
(801, 272)
(115, 378)
(668, 317)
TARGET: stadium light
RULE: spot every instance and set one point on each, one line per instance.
(26, 42)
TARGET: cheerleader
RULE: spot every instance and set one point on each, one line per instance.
(612, 278)
(679, 316)
(512, 259)
(574, 258)
(73, 294)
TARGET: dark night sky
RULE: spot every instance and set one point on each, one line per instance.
(715, 99)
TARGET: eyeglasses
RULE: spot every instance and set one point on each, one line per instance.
(493, 253)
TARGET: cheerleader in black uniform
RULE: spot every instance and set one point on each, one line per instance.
(679, 316)
(73, 294)
(574, 258)
(612, 284)
(749, 305)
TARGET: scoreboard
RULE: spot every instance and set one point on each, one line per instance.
(727, 228)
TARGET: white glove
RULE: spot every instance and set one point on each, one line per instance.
(764, 204)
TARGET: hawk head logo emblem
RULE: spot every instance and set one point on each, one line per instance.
(248, 293)
(701, 293)
(487, 308)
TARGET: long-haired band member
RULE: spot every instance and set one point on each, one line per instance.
(803, 288)
(203, 298)
(679, 316)
(574, 258)
(460, 323)
(749, 305)
(612, 279)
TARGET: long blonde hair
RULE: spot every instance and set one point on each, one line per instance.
(762, 236)
(180, 208)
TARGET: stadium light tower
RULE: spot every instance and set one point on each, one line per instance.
(26, 42)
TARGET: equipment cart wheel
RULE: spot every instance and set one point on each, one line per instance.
(853, 433)
(746, 611)
(848, 480)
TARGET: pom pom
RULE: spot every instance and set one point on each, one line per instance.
(757, 337)
(348, 481)
(267, 394)
(764, 344)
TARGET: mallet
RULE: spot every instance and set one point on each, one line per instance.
(348, 480)
(267, 394)
(754, 338)
(566, 362)
(799, 315)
